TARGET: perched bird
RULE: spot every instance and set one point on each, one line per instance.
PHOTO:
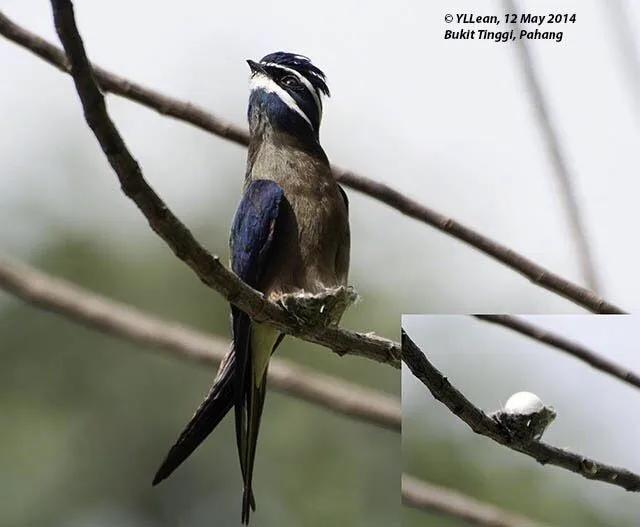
(290, 234)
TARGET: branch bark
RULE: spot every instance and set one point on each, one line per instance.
(176, 235)
(200, 118)
(126, 322)
(560, 166)
(482, 424)
(575, 349)
(425, 496)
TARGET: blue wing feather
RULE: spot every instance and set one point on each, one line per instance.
(253, 229)
(252, 234)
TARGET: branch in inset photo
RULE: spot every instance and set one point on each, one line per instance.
(428, 497)
(204, 120)
(483, 424)
(126, 322)
(575, 349)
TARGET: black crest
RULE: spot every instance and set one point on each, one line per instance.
(302, 65)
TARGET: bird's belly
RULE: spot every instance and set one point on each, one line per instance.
(305, 257)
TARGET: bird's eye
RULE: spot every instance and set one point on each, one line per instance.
(290, 81)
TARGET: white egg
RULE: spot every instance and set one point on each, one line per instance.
(523, 403)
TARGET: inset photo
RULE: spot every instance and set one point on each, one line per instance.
(520, 420)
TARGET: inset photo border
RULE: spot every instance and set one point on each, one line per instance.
(520, 420)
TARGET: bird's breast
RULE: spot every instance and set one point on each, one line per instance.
(313, 233)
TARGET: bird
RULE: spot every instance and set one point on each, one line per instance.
(290, 235)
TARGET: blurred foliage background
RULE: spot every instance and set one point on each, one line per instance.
(86, 418)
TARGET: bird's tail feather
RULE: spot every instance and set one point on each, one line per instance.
(255, 404)
(215, 406)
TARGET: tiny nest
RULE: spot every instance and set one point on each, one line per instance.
(319, 309)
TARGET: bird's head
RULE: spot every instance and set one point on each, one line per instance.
(287, 90)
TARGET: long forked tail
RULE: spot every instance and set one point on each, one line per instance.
(215, 406)
(255, 404)
(258, 343)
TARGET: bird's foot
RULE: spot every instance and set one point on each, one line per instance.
(319, 309)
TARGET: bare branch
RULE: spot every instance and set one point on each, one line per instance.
(433, 498)
(202, 119)
(124, 321)
(560, 168)
(484, 425)
(208, 268)
(598, 361)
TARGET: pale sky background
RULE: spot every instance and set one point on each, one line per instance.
(596, 413)
(449, 123)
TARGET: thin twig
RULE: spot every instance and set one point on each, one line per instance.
(560, 167)
(575, 349)
(208, 268)
(425, 496)
(202, 119)
(484, 425)
(124, 321)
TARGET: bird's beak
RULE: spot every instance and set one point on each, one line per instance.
(255, 67)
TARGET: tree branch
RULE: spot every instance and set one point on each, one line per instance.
(432, 498)
(484, 425)
(208, 268)
(560, 168)
(200, 118)
(126, 322)
(575, 349)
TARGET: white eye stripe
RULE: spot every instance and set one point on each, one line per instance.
(265, 83)
(303, 79)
